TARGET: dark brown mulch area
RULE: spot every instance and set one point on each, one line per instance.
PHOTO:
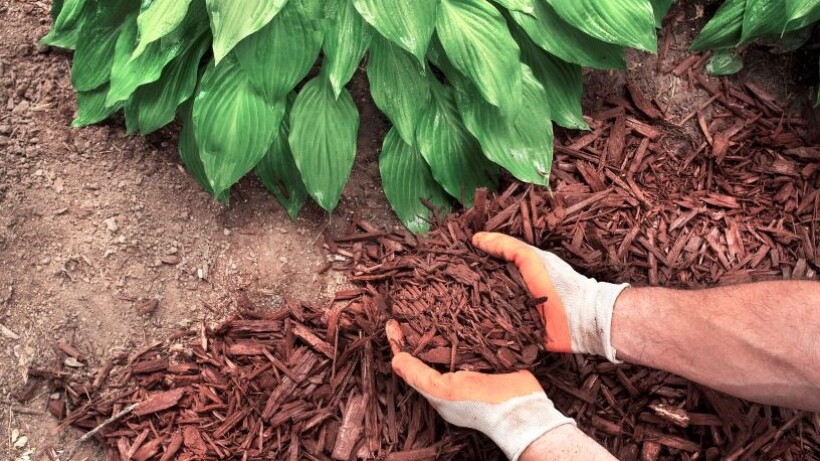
(630, 202)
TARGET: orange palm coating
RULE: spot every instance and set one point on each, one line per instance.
(538, 281)
(464, 385)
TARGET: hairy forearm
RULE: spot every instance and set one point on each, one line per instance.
(565, 443)
(757, 341)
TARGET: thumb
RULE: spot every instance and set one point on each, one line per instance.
(417, 374)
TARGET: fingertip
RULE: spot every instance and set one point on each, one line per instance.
(394, 336)
(479, 237)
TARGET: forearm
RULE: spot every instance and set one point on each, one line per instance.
(565, 443)
(757, 341)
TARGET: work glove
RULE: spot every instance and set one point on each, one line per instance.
(511, 409)
(578, 311)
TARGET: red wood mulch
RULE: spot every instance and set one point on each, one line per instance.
(629, 203)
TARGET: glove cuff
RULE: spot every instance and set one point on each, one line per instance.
(590, 319)
(605, 305)
(522, 421)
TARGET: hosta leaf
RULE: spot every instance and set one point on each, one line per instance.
(724, 62)
(801, 13)
(280, 55)
(624, 22)
(478, 43)
(454, 155)
(189, 153)
(323, 132)
(158, 20)
(56, 7)
(407, 180)
(129, 72)
(523, 6)
(554, 35)
(563, 81)
(522, 146)
(154, 105)
(346, 41)
(70, 16)
(233, 124)
(97, 43)
(724, 30)
(279, 174)
(407, 23)
(399, 85)
(762, 18)
(661, 7)
(233, 20)
(91, 107)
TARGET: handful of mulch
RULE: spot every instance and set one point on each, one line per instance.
(462, 310)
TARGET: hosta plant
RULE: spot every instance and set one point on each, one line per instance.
(470, 86)
(739, 22)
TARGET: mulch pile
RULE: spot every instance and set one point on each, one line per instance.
(631, 201)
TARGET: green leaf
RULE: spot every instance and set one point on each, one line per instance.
(407, 180)
(563, 81)
(129, 72)
(233, 124)
(623, 22)
(407, 23)
(346, 41)
(323, 133)
(801, 13)
(522, 6)
(762, 18)
(233, 20)
(67, 23)
(661, 7)
(522, 146)
(724, 30)
(97, 43)
(91, 107)
(454, 155)
(158, 20)
(478, 43)
(724, 62)
(555, 36)
(189, 153)
(154, 105)
(277, 171)
(279, 56)
(56, 7)
(399, 85)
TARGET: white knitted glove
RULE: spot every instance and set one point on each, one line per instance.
(511, 409)
(578, 310)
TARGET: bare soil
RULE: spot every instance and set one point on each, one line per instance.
(93, 223)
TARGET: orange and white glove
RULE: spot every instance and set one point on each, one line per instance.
(578, 311)
(511, 409)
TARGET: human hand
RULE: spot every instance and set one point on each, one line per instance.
(578, 310)
(511, 409)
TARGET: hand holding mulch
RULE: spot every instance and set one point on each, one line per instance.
(577, 313)
(511, 409)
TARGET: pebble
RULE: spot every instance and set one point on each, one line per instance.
(170, 260)
(111, 225)
(73, 363)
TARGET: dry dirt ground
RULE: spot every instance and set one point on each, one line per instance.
(93, 223)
